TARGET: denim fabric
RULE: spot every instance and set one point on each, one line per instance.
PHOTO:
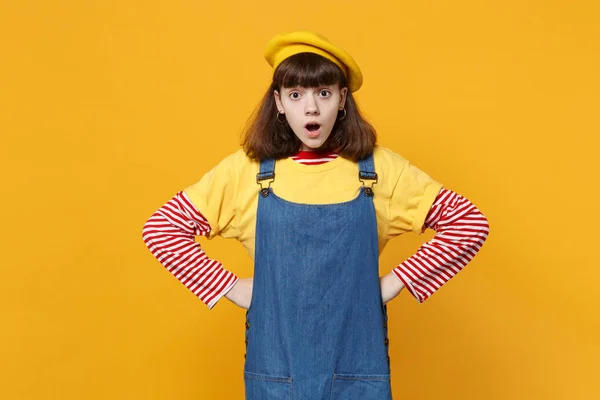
(316, 328)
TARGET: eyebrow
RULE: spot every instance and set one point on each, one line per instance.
(301, 87)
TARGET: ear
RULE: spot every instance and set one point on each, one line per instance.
(278, 101)
(343, 93)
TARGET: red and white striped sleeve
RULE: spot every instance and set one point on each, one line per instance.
(169, 235)
(461, 229)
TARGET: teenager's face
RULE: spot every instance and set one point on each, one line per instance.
(305, 106)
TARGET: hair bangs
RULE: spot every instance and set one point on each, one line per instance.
(308, 70)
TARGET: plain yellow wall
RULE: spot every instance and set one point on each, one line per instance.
(107, 109)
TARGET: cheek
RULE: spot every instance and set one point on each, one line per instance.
(332, 116)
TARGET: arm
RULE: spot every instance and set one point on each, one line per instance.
(169, 235)
(241, 293)
(461, 229)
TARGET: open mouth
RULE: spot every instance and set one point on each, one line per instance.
(312, 127)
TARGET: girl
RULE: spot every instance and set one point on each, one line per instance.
(314, 201)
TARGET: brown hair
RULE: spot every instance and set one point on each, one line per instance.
(264, 137)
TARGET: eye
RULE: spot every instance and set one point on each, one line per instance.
(293, 93)
(326, 91)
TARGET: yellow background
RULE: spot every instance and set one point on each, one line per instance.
(107, 109)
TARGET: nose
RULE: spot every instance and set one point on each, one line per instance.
(311, 107)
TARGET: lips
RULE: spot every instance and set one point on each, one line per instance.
(313, 134)
(312, 126)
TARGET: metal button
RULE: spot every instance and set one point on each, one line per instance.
(244, 356)
(247, 325)
(386, 341)
(385, 324)
(246, 341)
(388, 359)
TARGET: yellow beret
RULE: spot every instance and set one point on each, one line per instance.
(284, 45)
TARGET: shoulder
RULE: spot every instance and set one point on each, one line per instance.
(237, 162)
(239, 169)
(238, 157)
(387, 161)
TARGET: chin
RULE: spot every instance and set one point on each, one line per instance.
(313, 146)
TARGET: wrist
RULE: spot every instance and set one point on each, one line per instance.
(398, 284)
(231, 292)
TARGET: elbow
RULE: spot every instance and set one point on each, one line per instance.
(485, 228)
(145, 231)
(148, 229)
